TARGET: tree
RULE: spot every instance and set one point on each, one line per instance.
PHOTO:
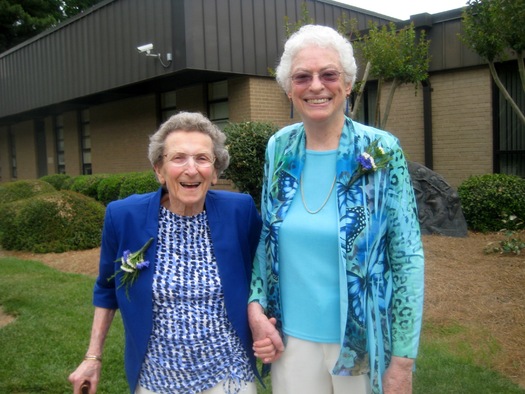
(491, 29)
(23, 19)
(392, 55)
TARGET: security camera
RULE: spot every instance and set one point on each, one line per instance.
(145, 48)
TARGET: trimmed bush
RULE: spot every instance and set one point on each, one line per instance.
(493, 202)
(52, 222)
(87, 184)
(109, 188)
(59, 181)
(138, 183)
(19, 190)
(247, 144)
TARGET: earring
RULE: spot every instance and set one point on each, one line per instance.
(347, 105)
(291, 109)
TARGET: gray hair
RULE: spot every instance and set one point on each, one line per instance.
(323, 37)
(189, 121)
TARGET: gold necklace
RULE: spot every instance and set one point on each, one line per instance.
(304, 201)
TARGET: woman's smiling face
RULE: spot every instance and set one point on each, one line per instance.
(188, 184)
(318, 100)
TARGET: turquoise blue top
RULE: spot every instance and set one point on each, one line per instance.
(308, 252)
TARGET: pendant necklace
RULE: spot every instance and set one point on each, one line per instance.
(323, 204)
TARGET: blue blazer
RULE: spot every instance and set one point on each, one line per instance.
(235, 226)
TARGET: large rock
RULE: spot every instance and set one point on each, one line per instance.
(437, 202)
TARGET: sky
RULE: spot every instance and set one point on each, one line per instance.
(402, 9)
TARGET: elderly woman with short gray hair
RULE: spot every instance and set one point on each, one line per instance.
(177, 264)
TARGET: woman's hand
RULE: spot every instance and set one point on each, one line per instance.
(397, 378)
(87, 374)
(267, 343)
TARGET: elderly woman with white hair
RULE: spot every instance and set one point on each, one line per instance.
(177, 264)
(337, 286)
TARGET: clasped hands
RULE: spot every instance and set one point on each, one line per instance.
(267, 342)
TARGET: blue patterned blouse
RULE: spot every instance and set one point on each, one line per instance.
(193, 345)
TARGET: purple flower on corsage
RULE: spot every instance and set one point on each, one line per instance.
(372, 159)
(131, 265)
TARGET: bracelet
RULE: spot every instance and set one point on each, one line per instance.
(92, 357)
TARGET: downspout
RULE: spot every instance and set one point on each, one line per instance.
(425, 22)
(427, 124)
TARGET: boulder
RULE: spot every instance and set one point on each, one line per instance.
(439, 206)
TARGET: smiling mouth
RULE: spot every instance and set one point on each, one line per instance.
(190, 185)
(317, 101)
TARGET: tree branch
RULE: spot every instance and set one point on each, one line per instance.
(505, 93)
(393, 87)
(355, 108)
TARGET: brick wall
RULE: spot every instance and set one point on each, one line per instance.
(461, 123)
(25, 150)
(462, 127)
(405, 120)
(119, 134)
(258, 99)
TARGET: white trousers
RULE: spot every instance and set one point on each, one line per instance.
(250, 388)
(305, 368)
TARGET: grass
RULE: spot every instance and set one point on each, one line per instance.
(53, 319)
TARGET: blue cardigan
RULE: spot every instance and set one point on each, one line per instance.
(235, 226)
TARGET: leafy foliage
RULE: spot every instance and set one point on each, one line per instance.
(305, 19)
(491, 28)
(247, 144)
(87, 184)
(395, 55)
(493, 202)
(109, 188)
(52, 222)
(511, 244)
(23, 19)
(59, 181)
(19, 190)
(138, 182)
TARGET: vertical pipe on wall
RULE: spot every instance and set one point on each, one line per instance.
(427, 124)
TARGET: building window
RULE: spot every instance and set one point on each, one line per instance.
(59, 144)
(509, 130)
(218, 103)
(85, 142)
(168, 105)
(12, 153)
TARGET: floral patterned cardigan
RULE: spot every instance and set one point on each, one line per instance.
(380, 247)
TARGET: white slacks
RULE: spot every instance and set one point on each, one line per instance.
(305, 368)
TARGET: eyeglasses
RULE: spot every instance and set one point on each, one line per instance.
(178, 159)
(306, 78)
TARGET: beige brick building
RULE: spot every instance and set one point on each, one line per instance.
(98, 120)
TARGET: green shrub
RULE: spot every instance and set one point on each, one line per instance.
(59, 181)
(53, 222)
(247, 144)
(138, 183)
(109, 188)
(19, 190)
(87, 184)
(493, 202)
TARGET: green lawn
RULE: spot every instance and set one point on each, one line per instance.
(53, 319)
